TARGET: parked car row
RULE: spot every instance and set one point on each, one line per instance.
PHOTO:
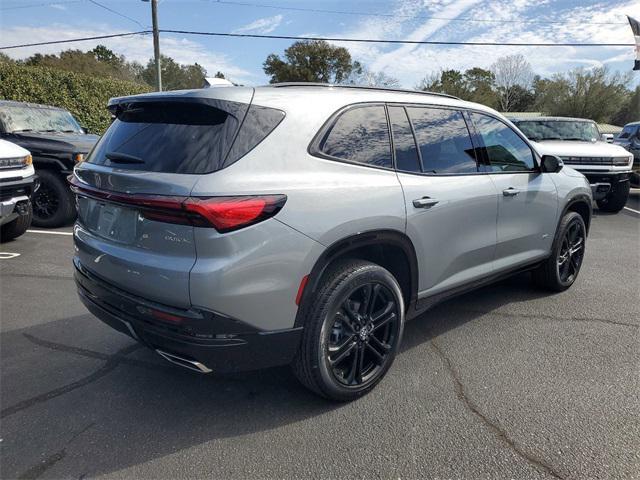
(57, 143)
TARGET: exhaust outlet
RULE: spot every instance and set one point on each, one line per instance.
(184, 362)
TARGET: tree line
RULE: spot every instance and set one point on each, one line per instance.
(104, 63)
(508, 85)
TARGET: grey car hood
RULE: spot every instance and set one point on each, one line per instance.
(564, 148)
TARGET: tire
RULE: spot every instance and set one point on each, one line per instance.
(16, 227)
(561, 269)
(53, 202)
(338, 329)
(615, 201)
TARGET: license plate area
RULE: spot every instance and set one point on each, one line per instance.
(109, 221)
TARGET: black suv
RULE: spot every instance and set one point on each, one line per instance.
(57, 142)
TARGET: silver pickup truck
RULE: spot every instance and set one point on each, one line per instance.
(578, 142)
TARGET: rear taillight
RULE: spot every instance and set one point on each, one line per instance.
(230, 213)
(225, 214)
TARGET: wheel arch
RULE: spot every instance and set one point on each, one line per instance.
(580, 204)
(390, 249)
(48, 163)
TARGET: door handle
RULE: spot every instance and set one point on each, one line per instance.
(424, 202)
(510, 192)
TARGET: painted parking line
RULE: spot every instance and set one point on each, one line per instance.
(50, 232)
(632, 210)
(8, 255)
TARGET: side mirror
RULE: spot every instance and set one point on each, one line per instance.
(84, 130)
(551, 164)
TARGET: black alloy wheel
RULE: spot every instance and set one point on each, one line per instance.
(53, 202)
(353, 324)
(571, 252)
(363, 335)
(46, 202)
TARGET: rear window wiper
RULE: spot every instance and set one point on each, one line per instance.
(116, 157)
(22, 130)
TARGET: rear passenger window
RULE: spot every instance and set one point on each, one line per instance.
(443, 139)
(360, 135)
(506, 151)
(404, 144)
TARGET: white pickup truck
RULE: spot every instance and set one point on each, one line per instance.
(578, 142)
(17, 178)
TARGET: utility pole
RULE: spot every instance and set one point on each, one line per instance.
(156, 43)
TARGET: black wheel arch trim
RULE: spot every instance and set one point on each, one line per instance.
(580, 198)
(345, 245)
(50, 163)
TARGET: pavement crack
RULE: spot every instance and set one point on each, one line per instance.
(554, 317)
(110, 364)
(33, 275)
(493, 427)
(83, 352)
(38, 469)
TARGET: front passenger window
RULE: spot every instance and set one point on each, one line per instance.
(506, 151)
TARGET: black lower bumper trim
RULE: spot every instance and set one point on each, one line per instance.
(222, 354)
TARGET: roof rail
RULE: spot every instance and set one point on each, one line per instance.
(358, 87)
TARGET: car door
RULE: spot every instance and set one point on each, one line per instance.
(527, 198)
(451, 206)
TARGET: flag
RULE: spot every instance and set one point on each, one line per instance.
(635, 27)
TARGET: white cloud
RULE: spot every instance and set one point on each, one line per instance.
(138, 48)
(261, 25)
(410, 63)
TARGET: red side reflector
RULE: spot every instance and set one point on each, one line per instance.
(303, 284)
(167, 317)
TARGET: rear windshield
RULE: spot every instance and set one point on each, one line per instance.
(193, 137)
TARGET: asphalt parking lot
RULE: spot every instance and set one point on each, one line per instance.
(504, 382)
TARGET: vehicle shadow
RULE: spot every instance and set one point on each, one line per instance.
(131, 407)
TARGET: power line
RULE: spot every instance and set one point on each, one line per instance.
(405, 42)
(396, 15)
(82, 39)
(328, 39)
(117, 13)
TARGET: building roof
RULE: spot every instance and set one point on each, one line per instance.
(608, 128)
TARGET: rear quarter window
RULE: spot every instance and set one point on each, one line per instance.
(359, 135)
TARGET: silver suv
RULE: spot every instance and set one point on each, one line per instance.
(240, 228)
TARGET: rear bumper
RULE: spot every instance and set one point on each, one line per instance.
(200, 340)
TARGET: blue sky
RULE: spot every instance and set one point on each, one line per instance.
(241, 59)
